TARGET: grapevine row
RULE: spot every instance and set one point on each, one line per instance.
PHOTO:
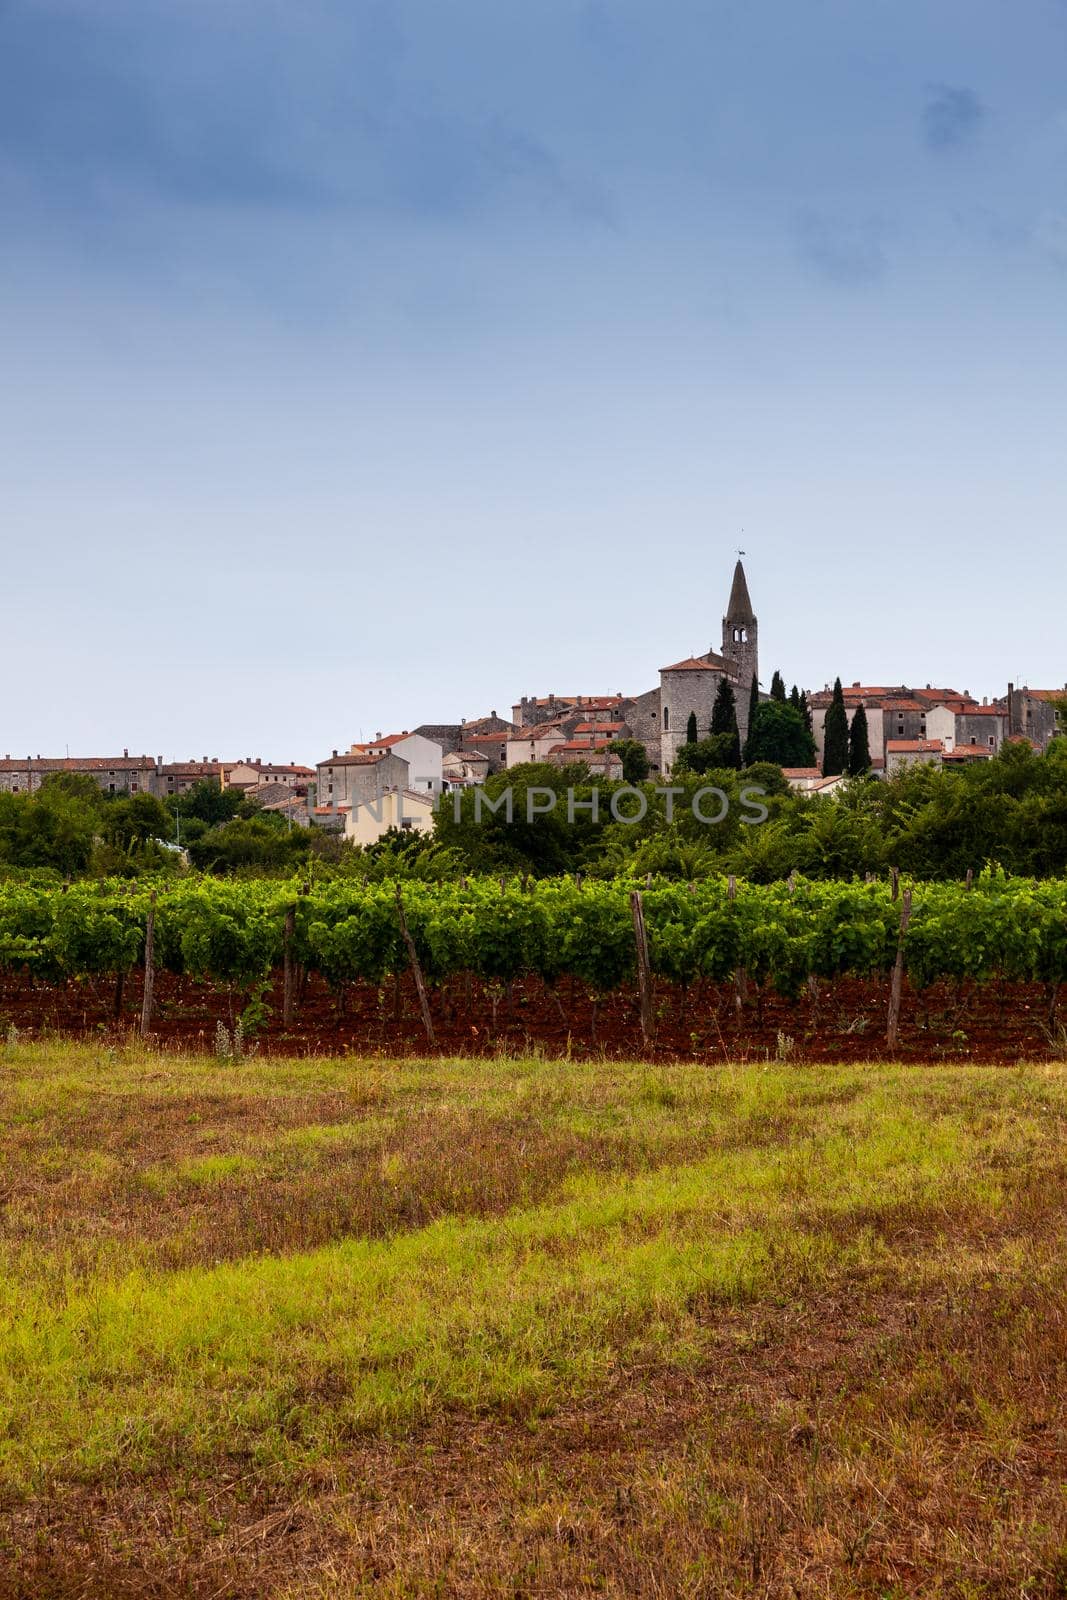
(779, 934)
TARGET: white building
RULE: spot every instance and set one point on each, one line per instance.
(410, 810)
(423, 756)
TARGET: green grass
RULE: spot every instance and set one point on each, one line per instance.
(216, 1271)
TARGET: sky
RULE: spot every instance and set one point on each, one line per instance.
(375, 362)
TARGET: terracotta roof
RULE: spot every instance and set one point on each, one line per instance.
(539, 730)
(484, 738)
(381, 744)
(582, 745)
(939, 695)
(599, 727)
(969, 752)
(708, 663)
(857, 692)
(78, 764)
(914, 747)
(802, 772)
(360, 760)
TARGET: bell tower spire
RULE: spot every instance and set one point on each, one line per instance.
(740, 643)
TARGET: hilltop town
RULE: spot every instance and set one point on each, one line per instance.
(394, 779)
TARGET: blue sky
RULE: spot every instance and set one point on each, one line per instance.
(371, 363)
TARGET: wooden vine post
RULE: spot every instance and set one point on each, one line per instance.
(893, 1022)
(287, 965)
(644, 966)
(740, 976)
(149, 967)
(413, 957)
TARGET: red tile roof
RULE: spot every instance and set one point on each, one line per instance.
(582, 745)
(696, 664)
(78, 764)
(359, 760)
(914, 746)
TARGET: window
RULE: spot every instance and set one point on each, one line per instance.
(666, 719)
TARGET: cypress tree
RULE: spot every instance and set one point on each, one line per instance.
(778, 686)
(835, 735)
(753, 707)
(724, 719)
(691, 734)
(805, 709)
(859, 750)
(794, 698)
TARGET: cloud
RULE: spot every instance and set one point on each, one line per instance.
(238, 105)
(950, 117)
(848, 252)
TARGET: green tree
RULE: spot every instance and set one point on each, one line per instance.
(691, 732)
(859, 750)
(635, 767)
(835, 735)
(778, 734)
(133, 819)
(249, 845)
(805, 709)
(714, 754)
(778, 686)
(208, 801)
(753, 700)
(724, 722)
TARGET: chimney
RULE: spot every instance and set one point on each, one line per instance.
(125, 754)
(377, 736)
(493, 713)
(335, 752)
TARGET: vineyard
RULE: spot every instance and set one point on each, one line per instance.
(689, 968)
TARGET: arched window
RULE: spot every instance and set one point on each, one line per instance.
(666, 719)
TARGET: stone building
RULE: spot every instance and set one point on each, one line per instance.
(123, 774)
(896, 712)
(690, 686)
(1031, 713)
(459, 735)
(347, 780)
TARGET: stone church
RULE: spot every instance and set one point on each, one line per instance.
(660, 717)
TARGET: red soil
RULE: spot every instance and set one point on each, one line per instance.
(840, 1021)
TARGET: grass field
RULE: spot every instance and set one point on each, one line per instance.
(530, 1328)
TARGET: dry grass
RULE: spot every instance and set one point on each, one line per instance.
(338, 1328)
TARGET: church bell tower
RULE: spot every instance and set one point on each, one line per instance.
(740, 636)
